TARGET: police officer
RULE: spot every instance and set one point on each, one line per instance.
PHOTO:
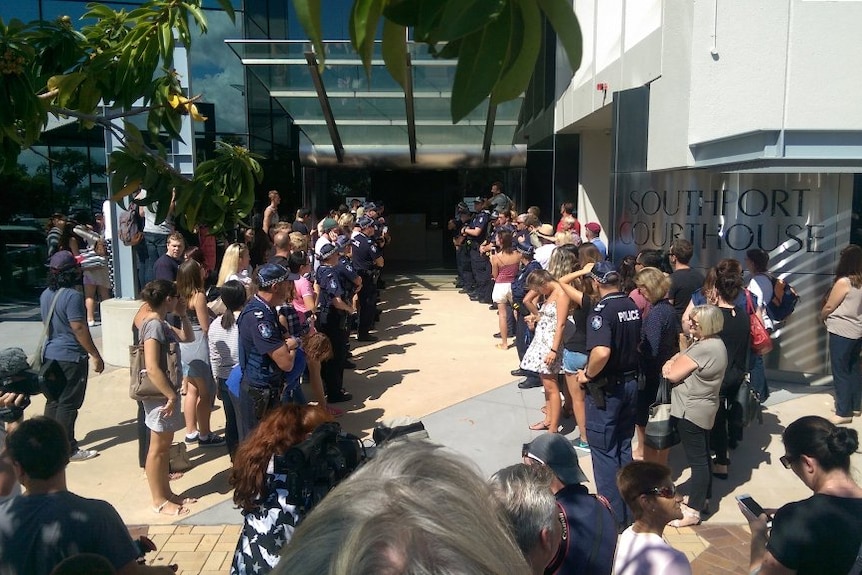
(610, 376)
(477, 232)
(381, 238)
(462, 253)
(264, 354)
(522, 332)
(366, 258)
(333, 309)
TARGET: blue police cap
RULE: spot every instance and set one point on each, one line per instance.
(271, 274)
(365, 222)
(524, 248)
(605, 272)
(327, 250)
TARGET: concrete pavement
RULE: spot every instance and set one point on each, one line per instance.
(436, 361)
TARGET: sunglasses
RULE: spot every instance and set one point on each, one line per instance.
(664, 492)
(787, 461)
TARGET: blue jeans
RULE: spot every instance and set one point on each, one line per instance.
(758, 377)
(153, 247)
(846, 377)
(231, 433)
(609, 433)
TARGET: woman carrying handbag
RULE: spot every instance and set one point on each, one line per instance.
(162, 415)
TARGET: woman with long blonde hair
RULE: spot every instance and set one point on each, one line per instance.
(234, 265)
(544, 356)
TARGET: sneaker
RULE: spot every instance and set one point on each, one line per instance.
(212, 440)
(91, 323)
(84, 455)
(192, 439)
(581, 444)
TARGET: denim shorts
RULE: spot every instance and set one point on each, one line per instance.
(573, 361)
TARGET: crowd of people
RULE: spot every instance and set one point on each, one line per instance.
(602, 339)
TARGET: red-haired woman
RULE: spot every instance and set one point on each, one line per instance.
(261, 493)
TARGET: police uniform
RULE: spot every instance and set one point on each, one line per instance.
(365, 251)
(480, 263)
(519, 290)
(614, 323)
(259, 334)
(332, 322)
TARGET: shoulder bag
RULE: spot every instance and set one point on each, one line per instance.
(761, 343)
(661, 432)
(36, 359)
(140, 386)
(749, 402)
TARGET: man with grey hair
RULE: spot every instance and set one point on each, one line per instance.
(589, 533)
(525, 493)
(414, 508)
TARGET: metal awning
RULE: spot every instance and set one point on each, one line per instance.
(351, 118)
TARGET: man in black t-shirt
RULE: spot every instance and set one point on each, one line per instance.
(299, 224)
(684, 281)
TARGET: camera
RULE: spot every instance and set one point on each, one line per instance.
(315, 466)
(17, 377)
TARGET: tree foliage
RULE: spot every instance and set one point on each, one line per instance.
(496, 42)
(120, 65)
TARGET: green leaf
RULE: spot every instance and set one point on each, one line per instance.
(308, 13)
(463, 17)
(524, 44)
(65, 86)
(227, 6)
(562, 18)
(423, 16)
(198, 15)
(363, 29)
(89, 95)
(480, 62)
(166, 44)
(395, 51)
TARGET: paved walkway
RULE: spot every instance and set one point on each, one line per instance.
(436, 361)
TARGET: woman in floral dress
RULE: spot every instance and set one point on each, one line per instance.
(544, 356)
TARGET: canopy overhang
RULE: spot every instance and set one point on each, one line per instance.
(350, 118)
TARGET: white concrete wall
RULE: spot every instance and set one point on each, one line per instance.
(594, 187)
(622, 47)
(718, 69)
(667, 144)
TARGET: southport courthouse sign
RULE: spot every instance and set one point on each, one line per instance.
(802, 220)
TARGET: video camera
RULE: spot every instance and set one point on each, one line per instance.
(315, 466)
(16, 377)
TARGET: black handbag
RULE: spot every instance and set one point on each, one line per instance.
(749, 402)
(661, 432)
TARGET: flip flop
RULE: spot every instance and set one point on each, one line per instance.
(541, 426)
(174, 475)
(180, 510)
(501, 346)
(185, 501)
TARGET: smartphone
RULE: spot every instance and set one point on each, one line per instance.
(754, 507)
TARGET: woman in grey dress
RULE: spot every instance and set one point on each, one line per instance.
(162, 415)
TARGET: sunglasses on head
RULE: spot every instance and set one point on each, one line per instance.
(667, 492)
